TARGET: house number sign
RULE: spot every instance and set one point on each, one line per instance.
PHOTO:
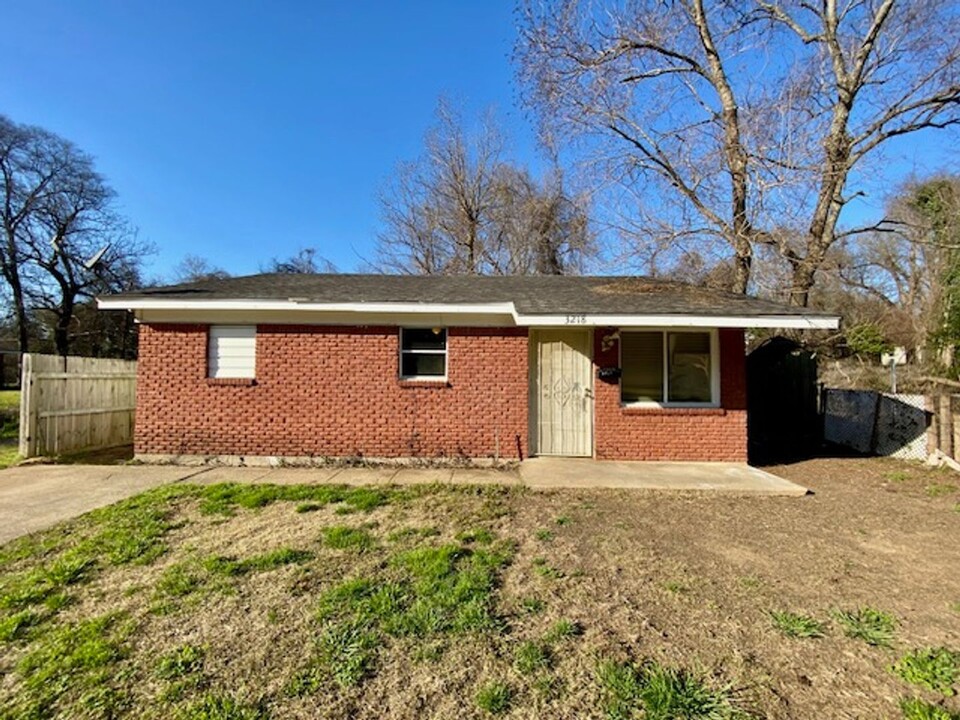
(576, 319)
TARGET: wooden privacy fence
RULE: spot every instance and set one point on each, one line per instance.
(74, 403)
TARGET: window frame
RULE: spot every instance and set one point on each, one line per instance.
(666, 403)
(445, 353)
(211, 329)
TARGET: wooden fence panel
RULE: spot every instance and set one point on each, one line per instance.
(71, 404)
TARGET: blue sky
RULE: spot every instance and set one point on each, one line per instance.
(243, 130)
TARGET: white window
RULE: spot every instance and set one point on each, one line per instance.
(423, 353)
(232, 351)
(670, 368)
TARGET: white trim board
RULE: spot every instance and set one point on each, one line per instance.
(496, 314)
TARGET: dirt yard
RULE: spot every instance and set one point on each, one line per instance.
(302, 602)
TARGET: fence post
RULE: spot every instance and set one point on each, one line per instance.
(28, 408)
(933, 430)
(955, 421)
(946, 425)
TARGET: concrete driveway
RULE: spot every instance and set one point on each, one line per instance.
(35, 497)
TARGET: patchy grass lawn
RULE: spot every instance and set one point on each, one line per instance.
(9, 426)
(255, 602)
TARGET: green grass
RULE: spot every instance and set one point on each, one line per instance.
(131, 532)
(935, 669)
(478, 536)
(897, 476)
(226, 498)
(258, 563)
(180, 662)
(658, 692)
(544, 535)
(421, 593)
(545, 570)
(563, 520)
(676, 587)
(532, 605)
(562, 630)
(9, 400)
(494, 698)
(9, 455)
(939, 489)
(874, 627)
(531, 657)
(795, 625)
(917, 709)
(341, 537)
(222, 707)
(349, 650)
(67, 665)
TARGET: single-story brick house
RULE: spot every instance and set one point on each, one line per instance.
(310, 366)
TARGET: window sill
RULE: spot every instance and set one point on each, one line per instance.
(434, 384)
(232, 382)
(668, 410)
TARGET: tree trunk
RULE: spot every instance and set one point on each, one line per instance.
(61, 333)
(19, 310)
(803, 278)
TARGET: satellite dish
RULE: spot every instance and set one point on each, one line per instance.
(96, 257)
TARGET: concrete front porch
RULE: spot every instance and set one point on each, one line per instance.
(725, 477)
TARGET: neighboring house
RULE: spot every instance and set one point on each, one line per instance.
(299, 366)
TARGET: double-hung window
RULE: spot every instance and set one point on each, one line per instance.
(669, 368)
(423, 353)
(232, 351)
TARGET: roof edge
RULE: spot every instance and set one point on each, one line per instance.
(804, 321)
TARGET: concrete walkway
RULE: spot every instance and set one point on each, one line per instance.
(725, 477)
(34, 497)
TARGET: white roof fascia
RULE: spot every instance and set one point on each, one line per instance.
(798, 321)
(297, 306)
(803, 322)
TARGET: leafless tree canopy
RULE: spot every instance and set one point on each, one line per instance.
(304, 261)
(911, 272)
(194, 268)
(731, 120)
(463, 209)
(62, 242)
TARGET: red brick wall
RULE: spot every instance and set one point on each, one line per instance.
(674, 433)
(332, 391)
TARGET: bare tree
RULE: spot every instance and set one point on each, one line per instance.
(63, 241)
(913, 272)
(436, 210)
(538, 228)
(193, 268)
(730, 119)
(463, 209)
(305, 261)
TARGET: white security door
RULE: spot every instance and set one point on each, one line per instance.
(564, 393)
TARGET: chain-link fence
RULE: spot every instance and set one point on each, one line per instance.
(878, 423)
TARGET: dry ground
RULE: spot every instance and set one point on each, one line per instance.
(174, 606)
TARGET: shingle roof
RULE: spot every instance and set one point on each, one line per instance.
(531, 295)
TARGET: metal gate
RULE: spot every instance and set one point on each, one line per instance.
(563, 393)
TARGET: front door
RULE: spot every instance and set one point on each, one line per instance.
(563, 393)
